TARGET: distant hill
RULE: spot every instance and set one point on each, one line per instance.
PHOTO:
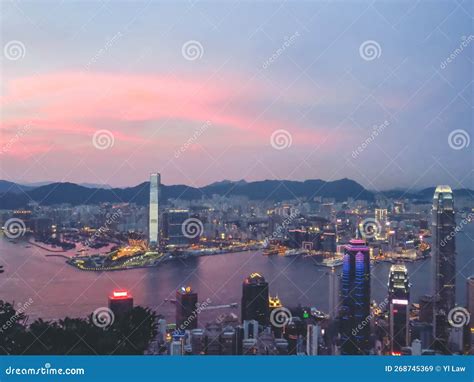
(275, 190)
(6, 186)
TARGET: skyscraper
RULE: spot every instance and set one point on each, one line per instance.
(444, 260)
(120, 303)
(355, 298)
(399, 302)
(255, 299)
(381, 218)
(153, 225)
(186, 309)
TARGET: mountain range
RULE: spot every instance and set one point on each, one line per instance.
(13, 195)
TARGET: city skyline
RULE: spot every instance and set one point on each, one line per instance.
(196, 178)
(285, 97)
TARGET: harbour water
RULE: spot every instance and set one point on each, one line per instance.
(58, 289)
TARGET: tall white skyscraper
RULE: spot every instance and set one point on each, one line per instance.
(153, 225)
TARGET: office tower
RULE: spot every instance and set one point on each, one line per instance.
(444, 260)
(153, 226)
(470, 300)
(334, 283)
(197, 341)
(212, 343)
(173, 224)
(416, 347)
(228, 341)
(282, 346)
(312, 339)
(250, 329)
(355, 298)
(329, 242)
(255, 299)
(398, 299)
(176, 347)
(120, 303)
(381, 218)
(186, 312)
(273, 304)
(162, 326)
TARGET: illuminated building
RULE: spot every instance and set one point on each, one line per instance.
(381, 218)
(120, 303)
(186, 313)
(398, 299)
(355, 298)
(153, 226)
(444, 260)
(334, 283)
(173, 221)
(177, 347)
(470, 308)
(312, 339)
(255, 299)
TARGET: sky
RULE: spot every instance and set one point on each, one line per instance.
(109, 92)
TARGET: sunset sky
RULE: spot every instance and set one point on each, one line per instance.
(256, 68)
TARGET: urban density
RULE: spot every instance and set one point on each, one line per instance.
(194, 178)
(344, 238)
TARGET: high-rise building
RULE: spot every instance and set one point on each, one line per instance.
(186, 309)
(470, 300)
(312, 339)
(120, 303)
(355, 298)
(334, 289)
(381, 218)
(250, 329)
(444, 260)
(153, 225)
(399, 302)
(255, 299)
(173, 222)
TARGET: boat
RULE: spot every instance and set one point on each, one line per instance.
(295, 252)
(331, 262)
